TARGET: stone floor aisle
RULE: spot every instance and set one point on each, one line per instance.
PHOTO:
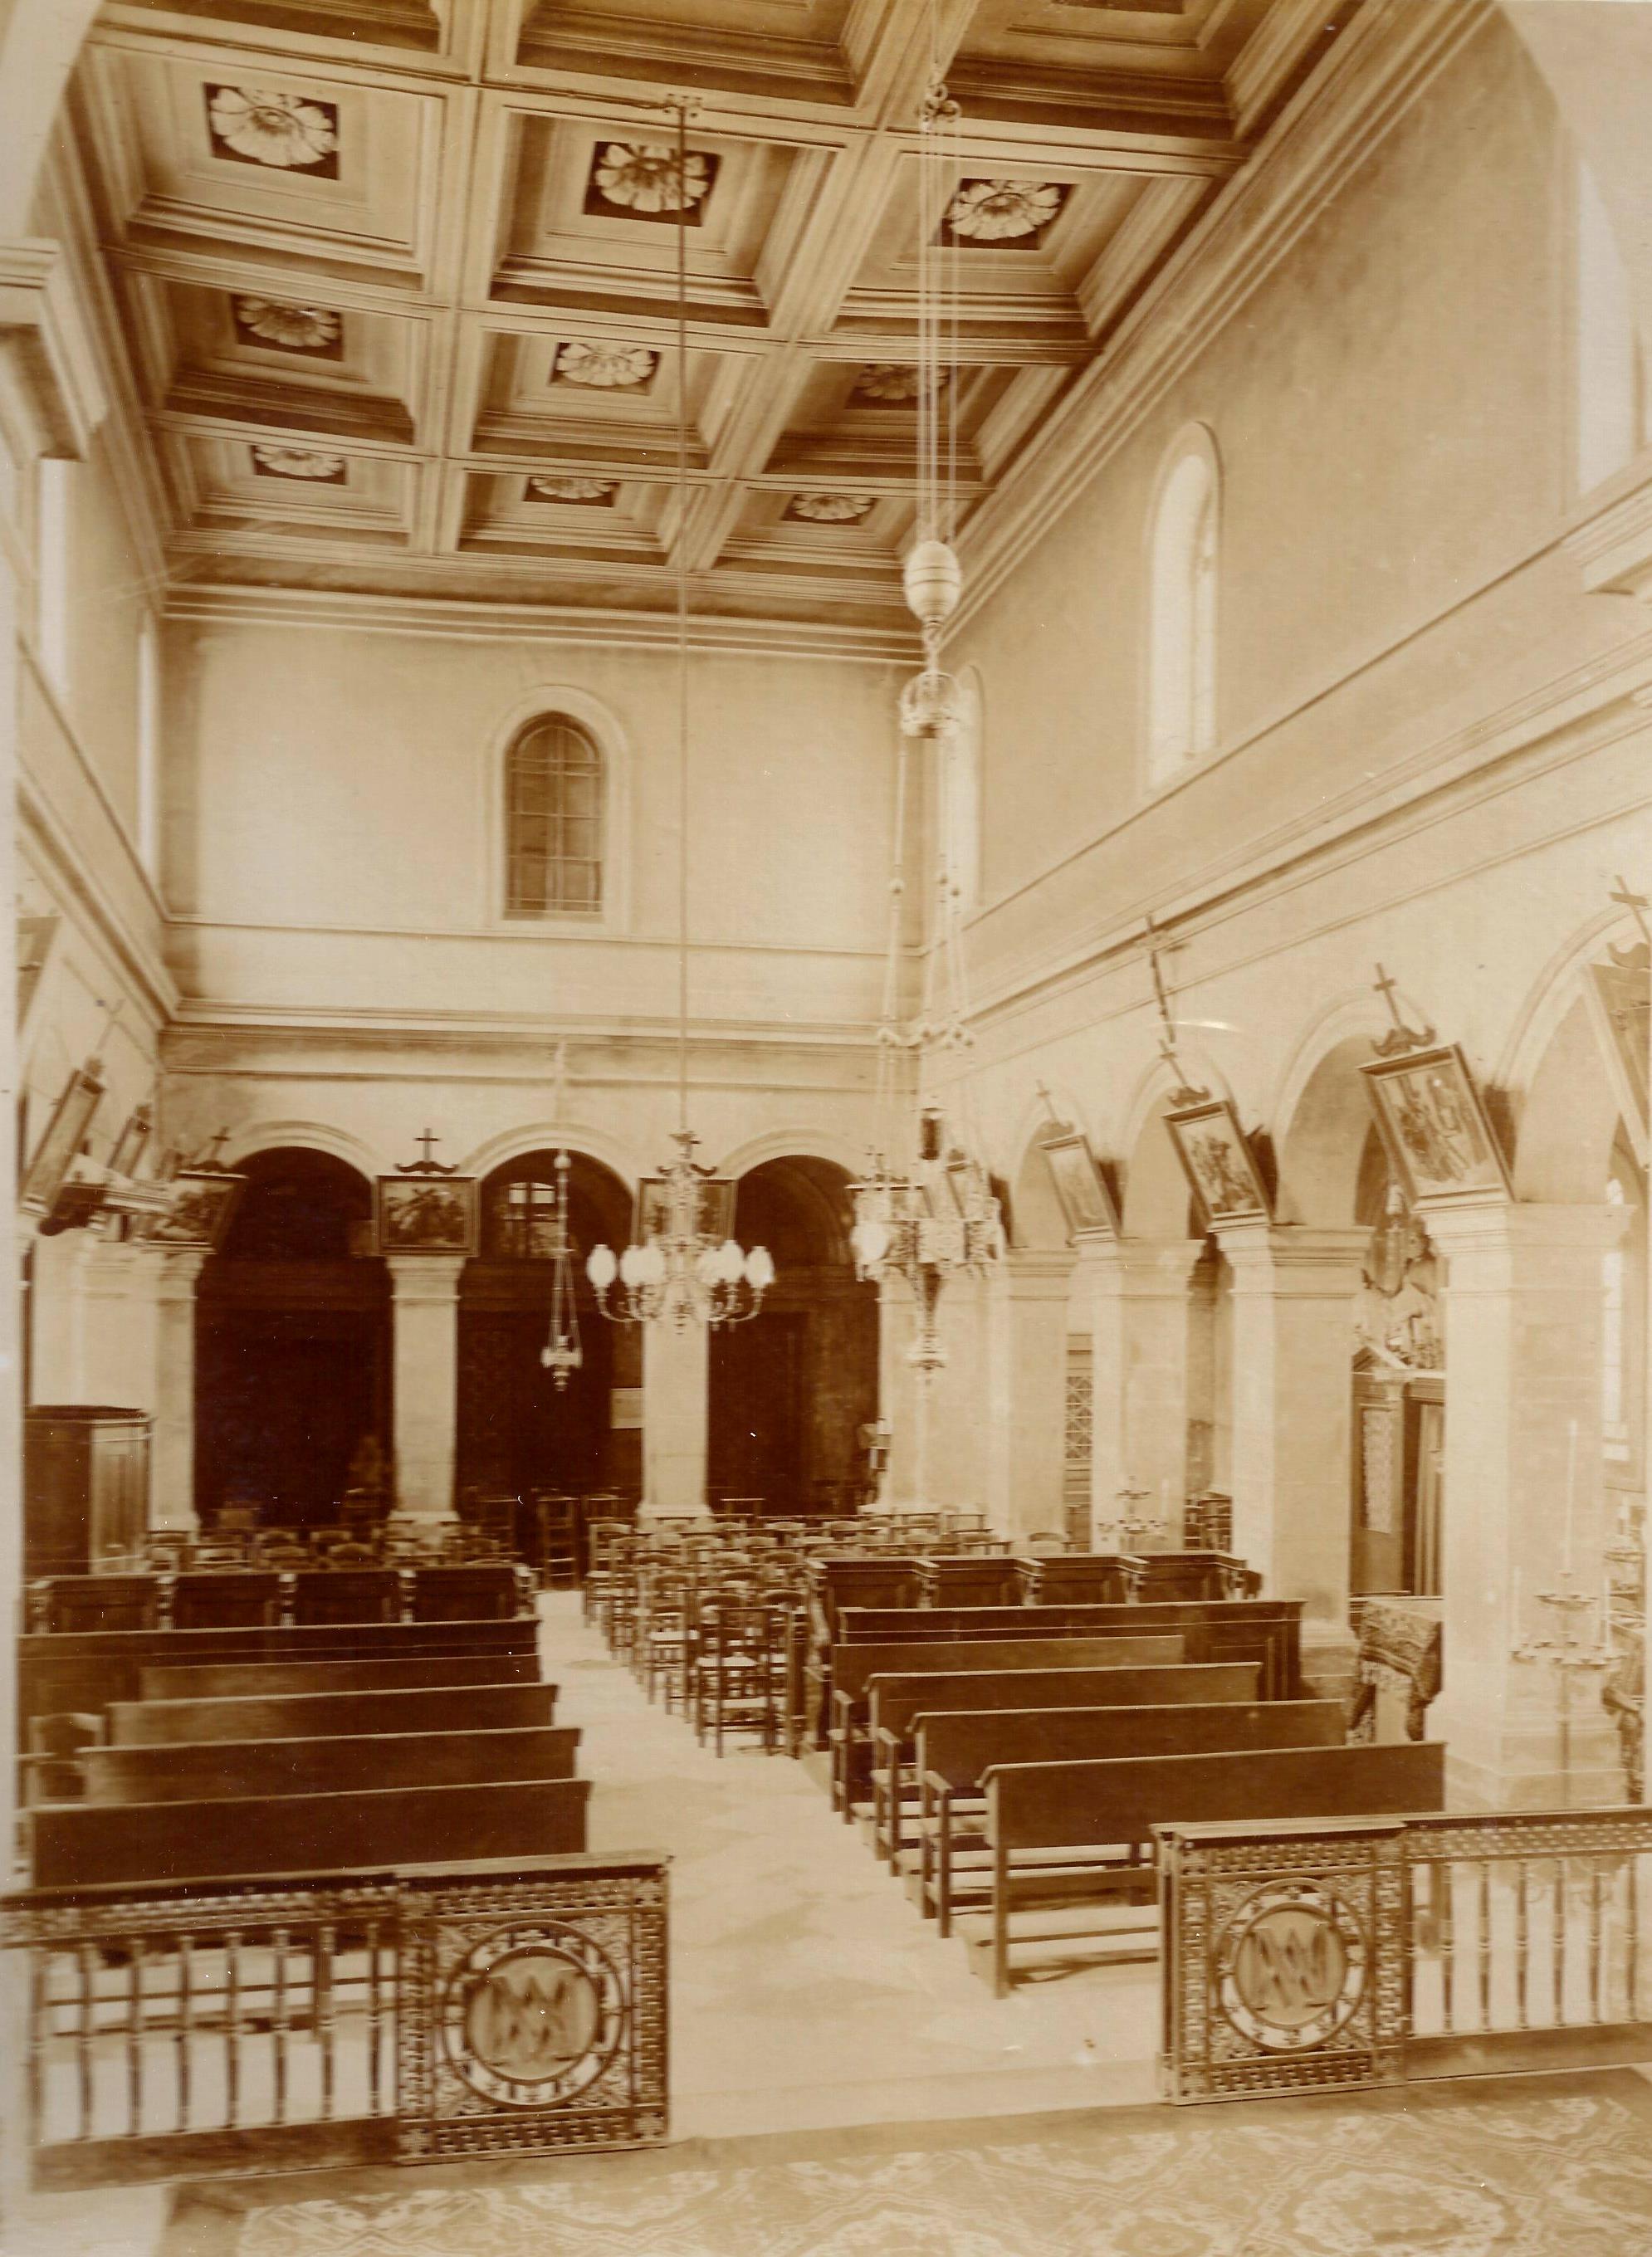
(806, 1992)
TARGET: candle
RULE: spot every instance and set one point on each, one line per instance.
(1571, 1487)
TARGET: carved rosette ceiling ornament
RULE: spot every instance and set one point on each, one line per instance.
(1009, 215)
(603, 367)
(646, 179)
(294, 329)
(890, 383)
(831, 508)
(585, 489)
(260, 125)
(309, 463)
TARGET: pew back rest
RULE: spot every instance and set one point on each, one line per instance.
(957, 1749)
(897, 1702)
(854, 1667)
(475, 1594)
(1049, 1806)
(89, 1843)
(213, 1770)
(205, 1682)
(237, 1599)
(300, 1715)
(333, 1595)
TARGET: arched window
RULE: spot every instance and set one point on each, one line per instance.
(1181, 651)
(1609, 381)
(553, 821)
(958, 782)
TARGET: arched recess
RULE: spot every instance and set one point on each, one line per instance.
(1570, 1119)
(602, 727)
(293, 1362)
(791, 1390)
(516, 1430)
(1323, 1142)
(256, 1136)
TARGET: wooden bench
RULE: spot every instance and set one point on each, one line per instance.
(214, 1771)
(955, 1751)
(973, 1579)
(222, 1680)
(59, 1671)
(61, 1605)
(854, 1667)
(346, 1595)
(303, 1716)
(897, 1703)
(1190, 1576)
(831, 1584)
(83, 1842)
(476, 1593)
(1097, 1576)
(233, 1599)
(1268, 1630)
(1050, 1825)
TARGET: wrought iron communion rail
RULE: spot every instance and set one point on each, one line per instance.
(1320, 1954)
(511, 2006)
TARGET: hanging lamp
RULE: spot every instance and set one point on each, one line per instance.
(680, 1269)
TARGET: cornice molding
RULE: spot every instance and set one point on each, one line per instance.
(1571, 716)
(1325, 134)
(480, 622)
(44, 331)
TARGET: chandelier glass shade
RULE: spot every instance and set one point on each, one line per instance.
(936, 1224)
(561, 1354)
(678, 1271)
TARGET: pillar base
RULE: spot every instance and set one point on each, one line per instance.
(1330, 1658)
(1523, 1772)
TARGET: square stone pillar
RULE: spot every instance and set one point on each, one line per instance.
(1524, 1303)
(676, 1417)
(1137, 1292)
(1026, 1392)
(897, 1390)
(425, 1291)
(57, 1318)
(120, 1286)
(1292, 1362)
(172, 1488)
(958, 1414)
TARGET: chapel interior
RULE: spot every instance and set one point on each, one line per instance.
(833, 861)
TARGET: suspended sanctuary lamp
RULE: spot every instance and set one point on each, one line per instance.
(935, 1216)
(561, 1354)
(680, 1269)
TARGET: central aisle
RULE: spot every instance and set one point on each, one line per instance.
(805, 1990)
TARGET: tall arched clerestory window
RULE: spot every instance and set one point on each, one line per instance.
(1181, 625)
(555, 811)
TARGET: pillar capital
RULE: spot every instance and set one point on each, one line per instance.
(433, 1277)
(1291, 1260)
(1519, 1237)
(1033, 1273)
(180, 1271)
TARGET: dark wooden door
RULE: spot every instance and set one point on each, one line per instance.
(516, 1430)
(759, 1443)
(283, 1398)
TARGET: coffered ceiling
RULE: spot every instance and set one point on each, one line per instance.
(394, 281)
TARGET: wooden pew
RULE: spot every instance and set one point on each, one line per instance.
(59, 1671)
(972, 1580)
(346, 1595)
(1097, 1576)
(76, 1844)
(854, 1667)
(1045, 1821)
(1268, 1630)
(231, 1599)
(956, 1749)
(63, 1605)
(214, 1771)
(304, 1715)
(831, 1584)
(222, 1680)
(897, 1703)
(1190, 1576)
(478, 1593)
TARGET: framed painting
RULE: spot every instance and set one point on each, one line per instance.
(653, 1207)
(1619, 996)
(133, 1142)
(1435, 1128)
(1218, 1162)
(203, 1201)
(1080, 1186)
(425, 1215)
(64, 1134)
